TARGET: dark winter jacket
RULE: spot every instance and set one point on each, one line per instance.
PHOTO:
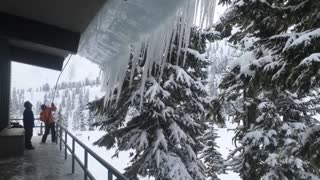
(28, 119)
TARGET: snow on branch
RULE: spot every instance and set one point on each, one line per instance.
(306, 38)
(294, 39)
(176, 133)
(156, 90)
(315, 57)
(161, 140)
(174, 166)
(196, 54)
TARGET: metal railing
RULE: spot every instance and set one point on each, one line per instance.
(111, 170)
(62, 134)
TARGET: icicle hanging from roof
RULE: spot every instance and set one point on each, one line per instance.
(122, 26)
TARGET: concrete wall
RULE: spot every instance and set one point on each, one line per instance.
(5, 80)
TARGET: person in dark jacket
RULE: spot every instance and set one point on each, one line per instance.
(28, 124)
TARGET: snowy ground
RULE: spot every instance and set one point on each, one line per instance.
(225, 143)
(89, 137)
(100, 172)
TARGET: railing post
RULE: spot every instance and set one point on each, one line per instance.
(56, 126)
(73, 146)
(85, 164)
(60, 136)
(65, 145)
(41, 126)
(110, 177)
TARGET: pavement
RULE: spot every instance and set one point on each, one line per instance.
(45, 162)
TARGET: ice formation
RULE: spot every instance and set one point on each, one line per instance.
(124, 26)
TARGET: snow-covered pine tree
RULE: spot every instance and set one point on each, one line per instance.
(75, 120)
(73, 99)
(78, 88)
(80, 114)
(66, 93)
(60, 117)
(86, 82)
(45, 99)
(37, 108)
(210, 154)
(21, 100)
(82, 118)
(63, 101)
(58, 93)
(14, 105)
(98, 81)
(68, 106)
(165, 133)
(90, 121)
(66, 119)
(277, 81)
(220, 52)
(46, 87)
(86, 97)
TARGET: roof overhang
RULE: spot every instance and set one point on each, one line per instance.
(44, 32)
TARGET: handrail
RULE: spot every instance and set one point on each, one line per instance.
(41, 123)
(84, 165)
(20, 119)
(111, 170)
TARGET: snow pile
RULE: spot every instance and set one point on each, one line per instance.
(140, 26)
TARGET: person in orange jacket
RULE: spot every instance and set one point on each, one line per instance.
(47, 117)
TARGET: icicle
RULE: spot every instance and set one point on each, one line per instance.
(153, 23)
(135, 59)
(144, 79)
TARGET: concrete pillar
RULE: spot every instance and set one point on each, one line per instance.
(5, 81)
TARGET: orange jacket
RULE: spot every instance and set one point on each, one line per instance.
(46, 115)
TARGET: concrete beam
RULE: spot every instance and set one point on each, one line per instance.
(36, 58)
(18, 29)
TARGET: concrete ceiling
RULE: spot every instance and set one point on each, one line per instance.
(73, 15)
(44, 32)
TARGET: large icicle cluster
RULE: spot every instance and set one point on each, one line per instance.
(122, 26)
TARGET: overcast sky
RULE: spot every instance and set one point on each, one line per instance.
(27, 76)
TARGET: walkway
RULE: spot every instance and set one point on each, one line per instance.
(45, 162)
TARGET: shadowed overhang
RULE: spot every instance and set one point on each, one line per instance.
(44, 32)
